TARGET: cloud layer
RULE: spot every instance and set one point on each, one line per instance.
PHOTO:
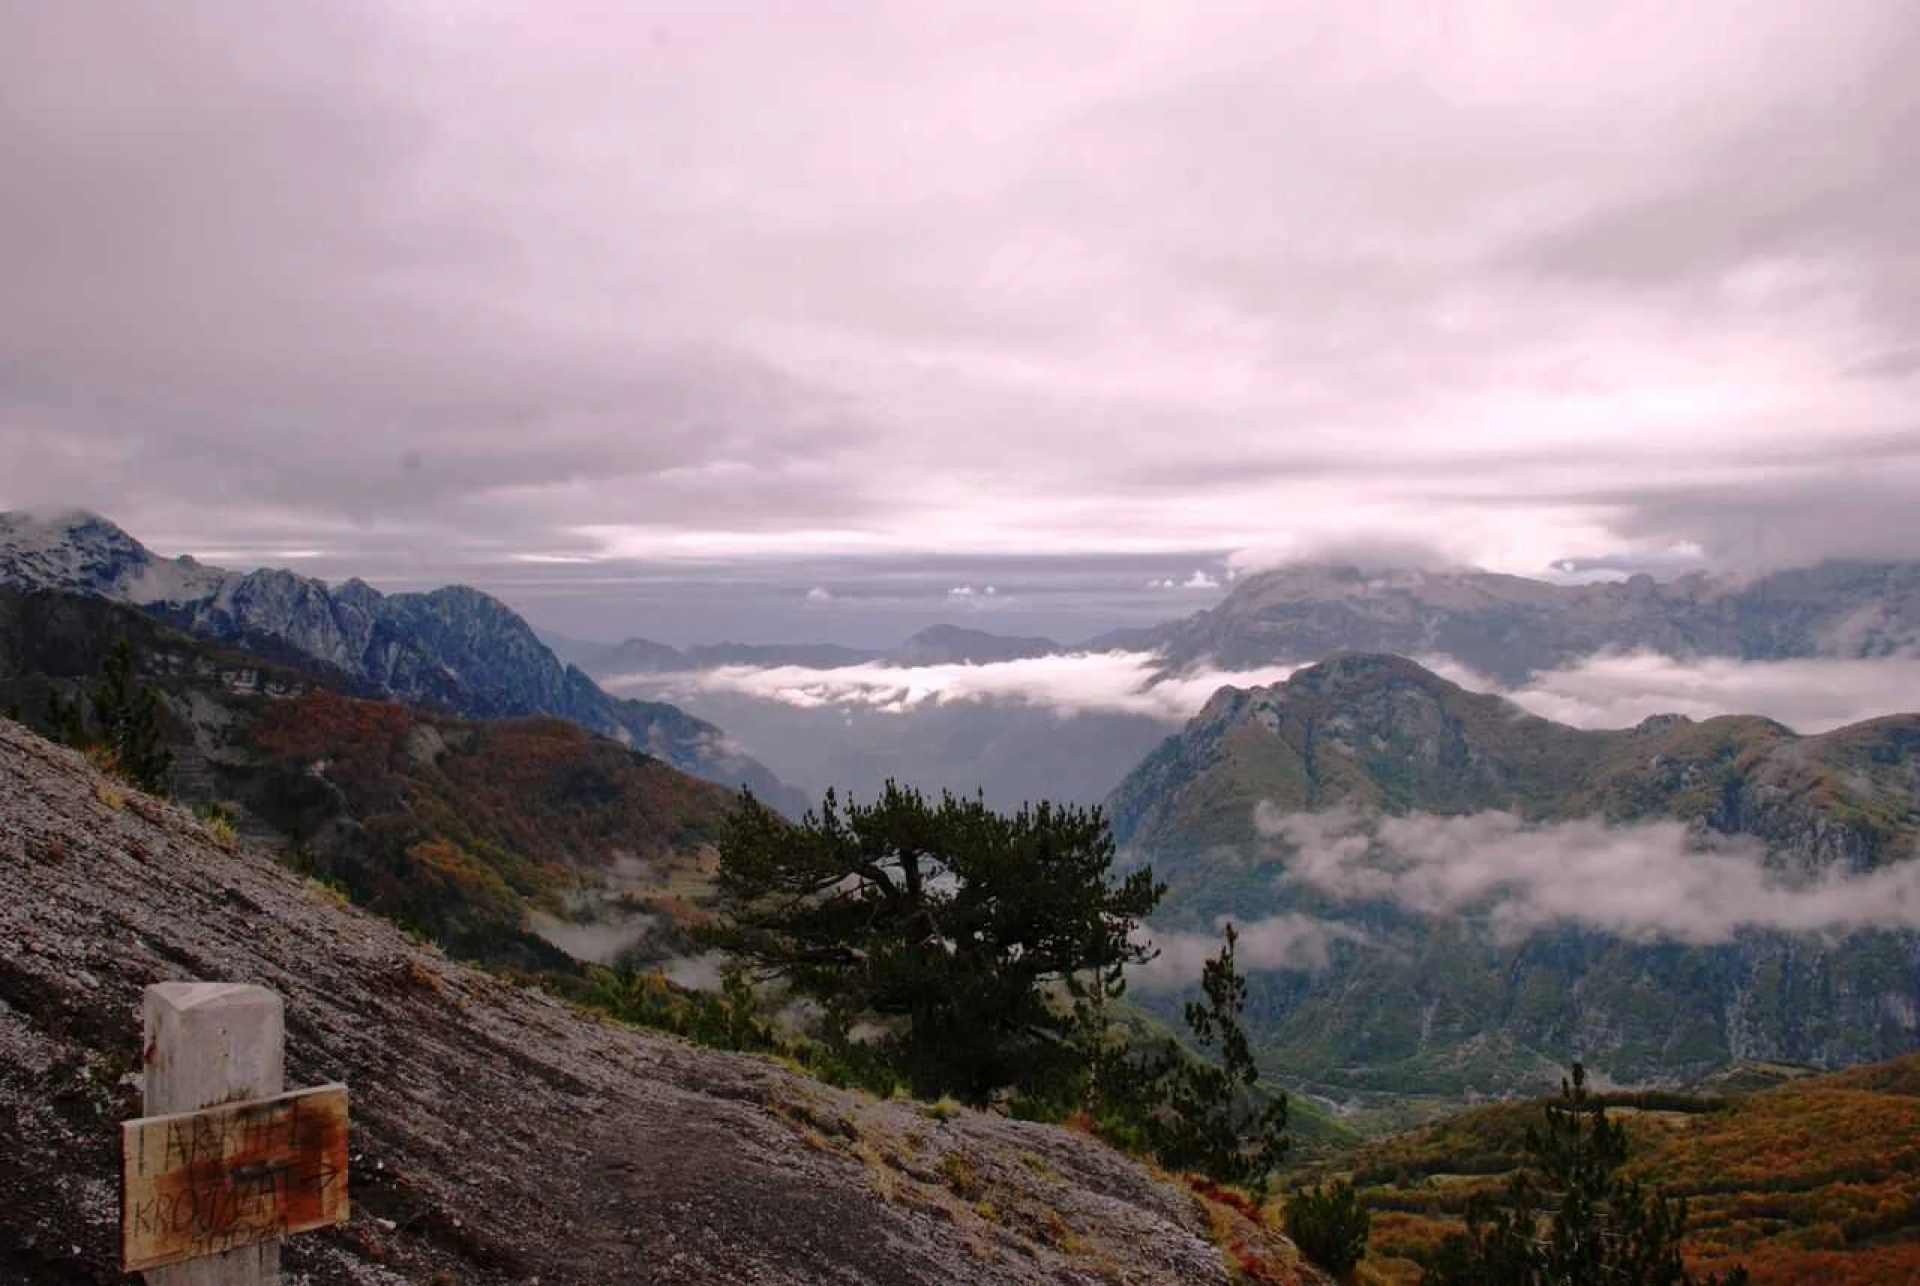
(402, 286)
(1108, 682)
(1646, 882)
(1605, 691)
(1291, 942)
(1619, 690)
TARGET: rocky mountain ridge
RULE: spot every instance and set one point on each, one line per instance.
(1388, 734)
(454, 648)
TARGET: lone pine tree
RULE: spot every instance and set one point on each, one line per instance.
(1204, 1115)
(946, 927)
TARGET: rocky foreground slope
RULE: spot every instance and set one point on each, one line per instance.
(499, 1136)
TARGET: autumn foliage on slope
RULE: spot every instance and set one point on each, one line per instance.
(1816, 1183)
(455, 827)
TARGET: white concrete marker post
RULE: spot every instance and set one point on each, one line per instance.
(208, 1044)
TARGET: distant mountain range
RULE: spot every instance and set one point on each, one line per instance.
(1508, 627)
(1258, 811)
(953, 644)
(935, 645)
(454, 649)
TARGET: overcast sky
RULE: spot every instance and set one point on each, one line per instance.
(618, 307)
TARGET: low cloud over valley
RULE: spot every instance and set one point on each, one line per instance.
(1073, 683)
(1612, 690)
(1267, 945)
(1653, 881)
(1604, 691)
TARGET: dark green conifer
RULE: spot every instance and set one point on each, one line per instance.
(1206, 1116)
(142, 750)
(65, 722)
(944, 928)
(1330, 1225)
(128, 719)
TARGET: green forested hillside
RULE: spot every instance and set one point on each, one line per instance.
(1418, 1003)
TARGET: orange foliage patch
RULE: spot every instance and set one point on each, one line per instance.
(1816, 1183)
(462, 823)
(1246, 1206)
(544, 790)
(323, 725)
(1255, 1268)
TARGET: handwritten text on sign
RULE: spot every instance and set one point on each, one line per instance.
(201, 1183)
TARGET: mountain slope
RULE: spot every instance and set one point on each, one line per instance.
(498, 1136)
(1419, 994)
(1817, 1181)
(1385, 733)
(467, 831)
(454, 648)
(1509, 626)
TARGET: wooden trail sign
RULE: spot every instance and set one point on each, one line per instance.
(224, 1165)
(205, 1183)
